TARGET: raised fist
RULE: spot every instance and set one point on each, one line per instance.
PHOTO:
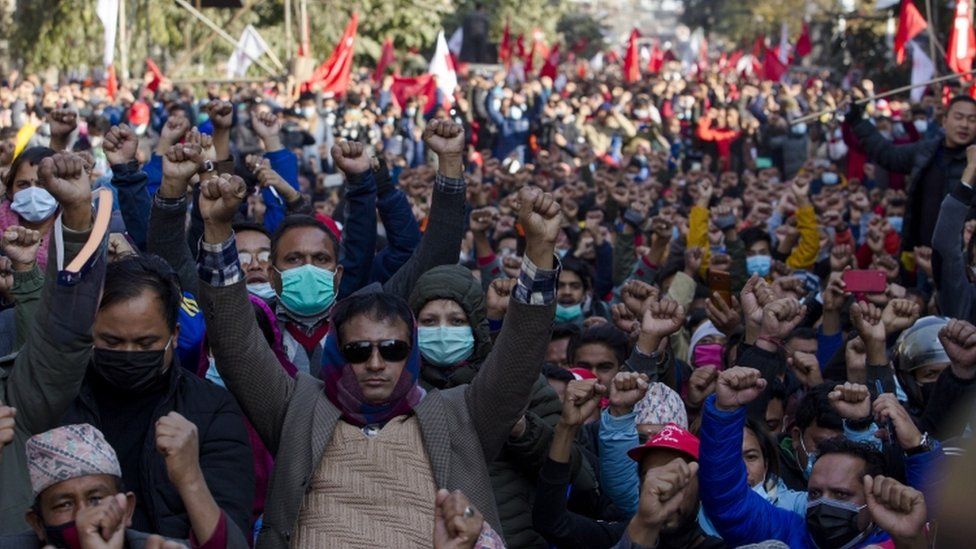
(194, 137)
(498, 296)
(268, 128)
(580, 401)
(896, 509)
(789, 286)
(755, 295)
(866, 319)
(220, 198)
(20, 244)
(444, 137)
(180, 163)
(662, 318)
(65, 177)
(540, 217)
(923, 259)
(781, 317)
(635, 294)
(806, 368)
(483, 218)
(725, 318)
(351, 157)
(663, 492)
(623, 319)
(851, 401)
(172, 132)
(63, 121)
(833, 295)
(958, 337)
(899, 314)
(887, 408)
(221, 114)
(626, 390)
(178, 443)
(120, 145)
(737, 387)
(703, 382)
(693, 260)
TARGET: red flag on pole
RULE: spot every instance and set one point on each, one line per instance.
(910, 23)
(551, 67)
(333, 74)
(157, 75)
(416, 86)
(632, 59)
(111, 82)
(773, 68)
(656, 62)
(962, 41)
(505, 47)
(387, 57)
(803, 44)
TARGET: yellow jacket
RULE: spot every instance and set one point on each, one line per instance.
(698, 235)
(804, 254)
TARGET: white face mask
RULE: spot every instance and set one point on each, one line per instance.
(34, 204)
(921, 125)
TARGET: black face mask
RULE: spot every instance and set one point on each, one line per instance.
(926, 390)
(63, 536)
(134, 371)
(832, 523)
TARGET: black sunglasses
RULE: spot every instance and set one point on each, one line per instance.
(392, 350)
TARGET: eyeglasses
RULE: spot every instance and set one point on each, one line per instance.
(392, 350)
(247, 257)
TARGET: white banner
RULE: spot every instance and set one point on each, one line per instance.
(108, 13)
(922, 71)
(250, 46)
(442, 67)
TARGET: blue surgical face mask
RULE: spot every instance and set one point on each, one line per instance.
(829, 178)
(307, 290)
(758, 264)
(262, 290)
(34, 204)
(811, 459)
(569, 313)
(445, 345)
(799, 129)
(896, 222)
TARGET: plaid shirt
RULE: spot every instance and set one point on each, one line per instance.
(536, 286)
(217, 264)
(449, 185)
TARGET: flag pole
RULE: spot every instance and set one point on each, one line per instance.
(932, 40)
(814, 116)
(226, 37)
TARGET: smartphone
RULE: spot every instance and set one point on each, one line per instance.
(721, 282)
(865, 281)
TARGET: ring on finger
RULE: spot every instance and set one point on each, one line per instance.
(468, 512)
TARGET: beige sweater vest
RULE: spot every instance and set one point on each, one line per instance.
(370, 491)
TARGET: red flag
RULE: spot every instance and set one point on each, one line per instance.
(759, 46)
(551, 66)
(505, 47)
(773, 68)
(803, 45)
(632, 59)
(656, 62)
(387, 57)
(111, 82)
(910, 23)
(962, 41)
(157, 75)
(406, 87)
(333, 74)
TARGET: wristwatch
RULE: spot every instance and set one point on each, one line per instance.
(923, 446)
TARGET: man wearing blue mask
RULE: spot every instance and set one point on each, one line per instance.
(574, 297)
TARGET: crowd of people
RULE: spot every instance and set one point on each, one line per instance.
(551, 313)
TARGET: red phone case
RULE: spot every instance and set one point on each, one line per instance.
(866, 281)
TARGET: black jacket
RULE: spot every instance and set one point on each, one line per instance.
(225, 453)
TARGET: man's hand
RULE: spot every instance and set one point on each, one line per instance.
(581, 400)
(626, 390)
(65, 177)
(220, 199)
(725, 319)
(20, 244)
(540, 217)
(923, 259)
(705, 191)
(693, 260)
(703, 382)
(635, 294)
(661, 497)
(446, 139)
(806, 368)
(737, 387)
(221, 114)
(483, 218)
(351, 157)
(755, 295)
(781, 317)
(886, 407)
(268, 127)
(958, 338)
(896, 509)
(268, 177)
(660, 319)
(866, 319)
(457, 524)
(851, 401)
(180, 163)
(841, 256)
(899, 314)
(801, 191)
(833, 295)
(8, 417)
(103, 526)
(178, 443)
(499, 294)
(173, 131)
(120, 145)
(62, 121)
(194, 137)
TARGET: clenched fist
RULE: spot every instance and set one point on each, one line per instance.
(958, 337)
(351, 158)
(120, 145)
(177, 442)
(737, 387)
(65, 177)
(851, 401)
(626, 390)
(897, 509)
(20, 244)
(539, 215)
(172, 132)
(499, 294)
(180, 164)
(444, 137)
(660, 319)
(580, 401)
(457, 524)
(663, 492)
(62, 121)
(220, 199)
(221, 114)
(781, 317)
(268, 127)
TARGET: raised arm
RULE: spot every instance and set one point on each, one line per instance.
(120, 148)
(498, 394)
(359, 231)
(957, 296)
(894, 158)
(402, 232)
(441, 243)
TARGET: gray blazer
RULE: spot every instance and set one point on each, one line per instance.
(463, 428)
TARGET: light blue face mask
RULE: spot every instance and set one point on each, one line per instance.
(262, 290)
(799, 129)
(759, 264)
(307, 290)
(570, 313)
(829, 178)
(34, 204)
(811, 459)
(445, 345)
(896, 222)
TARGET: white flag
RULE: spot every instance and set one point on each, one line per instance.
(250, 46)
(442, 67)
(108, 13)
(597, 62)
(456, 41)
(922, 71)
(784, 44)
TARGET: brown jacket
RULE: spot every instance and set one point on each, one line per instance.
(463, 428)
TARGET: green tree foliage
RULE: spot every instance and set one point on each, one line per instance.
(578, 28)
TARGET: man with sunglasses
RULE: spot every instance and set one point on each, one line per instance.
(361, 451)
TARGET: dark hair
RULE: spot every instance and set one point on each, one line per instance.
(582, 270)
(815, 407)
(670, 269)
(32, 157)
(250, 226)
(604, 334)
(551, 371)
(300, 221)
(132, 275)
(376, 306)
(801, 332)
(564, 330)
(960, 99)
(766, 446)
(752, 235)
(873, 460)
